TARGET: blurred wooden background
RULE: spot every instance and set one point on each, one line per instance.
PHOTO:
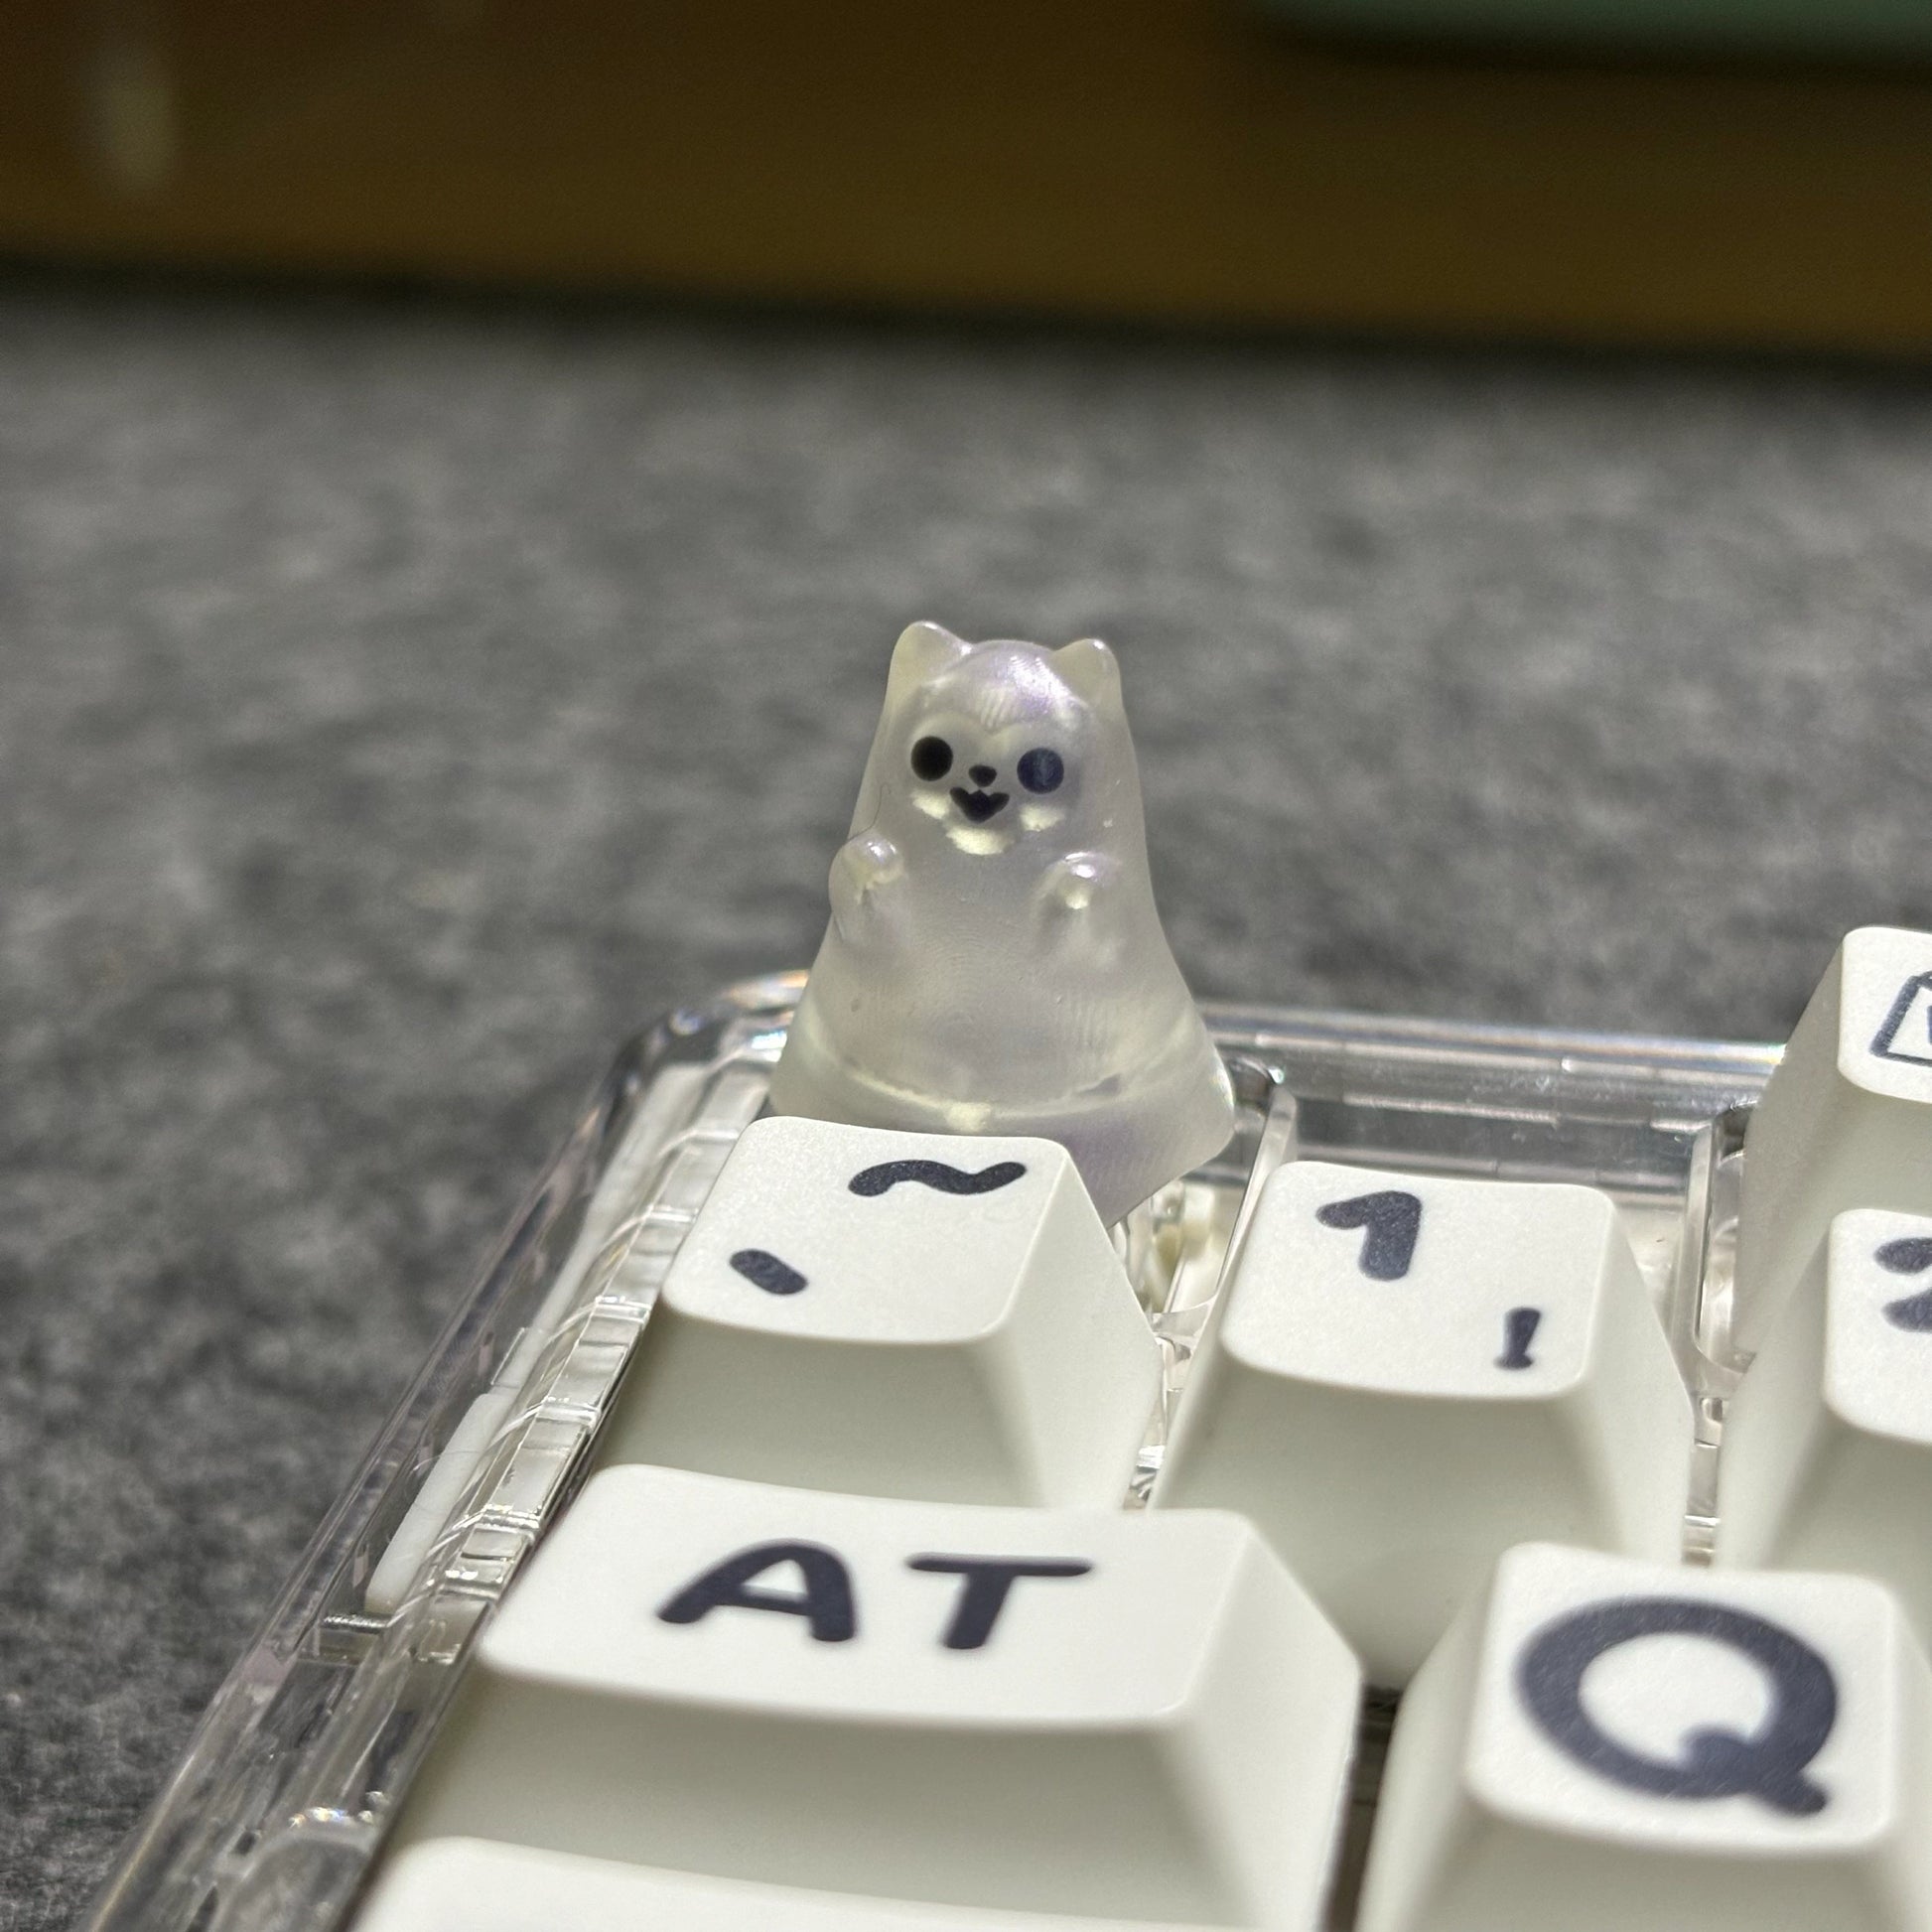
(1154, 158)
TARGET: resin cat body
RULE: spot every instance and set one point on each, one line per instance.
(995, 963)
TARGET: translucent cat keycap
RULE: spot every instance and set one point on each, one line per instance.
(995, 963)
(1409, 1373)
(1097, 1711)
(899, 1314)
(1606, 1745)
(1845, 1122)
(1826, 1461)
(466, 1884)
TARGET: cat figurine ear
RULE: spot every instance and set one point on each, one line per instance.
(995, 963)
(924, 650)
(1090, 668)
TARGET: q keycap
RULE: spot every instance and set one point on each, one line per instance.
(1608, 1745)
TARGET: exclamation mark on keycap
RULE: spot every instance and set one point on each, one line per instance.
(1518, 1329)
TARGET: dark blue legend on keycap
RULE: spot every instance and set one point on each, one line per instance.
(936, 1175)
(767, 1272)
(1908, 1031)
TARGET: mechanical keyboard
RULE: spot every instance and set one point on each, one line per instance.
(1481, 1492)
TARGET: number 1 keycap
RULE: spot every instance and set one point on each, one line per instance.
(1410, 1374)
(899, 1314)
(1093, 1711)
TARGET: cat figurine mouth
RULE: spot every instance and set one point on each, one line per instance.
(979, 806)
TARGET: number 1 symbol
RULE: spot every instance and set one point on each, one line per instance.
(1911, 1256)
(1392, 1219)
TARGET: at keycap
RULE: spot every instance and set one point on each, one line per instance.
(1410, 1373)
(462, 1885)
(1609, 1745)
(1828, 1442)
(1845, 1122)
(891, 1313)
(1089, 1711)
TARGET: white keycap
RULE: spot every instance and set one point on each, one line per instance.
(463, 1884)
(899, 1314)
(1411, 1374)
(1846, 1121)
(1089, 1711)
(1606, 1745)
(1826, 1458)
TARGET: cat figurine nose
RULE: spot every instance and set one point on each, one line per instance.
(982, 775)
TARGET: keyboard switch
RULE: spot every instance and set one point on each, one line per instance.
(1609, 1745)
(1826, 1459)
(1095, 1713)
(1410, 1374)
(894, 1314)
(1845, 1122)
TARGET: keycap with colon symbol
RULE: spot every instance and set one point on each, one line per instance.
(1826, 1458)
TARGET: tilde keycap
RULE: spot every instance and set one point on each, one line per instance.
(1609, 1745)
(1410, 1373)
(1101, 1713)
(899, 1314)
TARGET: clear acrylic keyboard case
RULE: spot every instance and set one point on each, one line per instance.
(274, 1815)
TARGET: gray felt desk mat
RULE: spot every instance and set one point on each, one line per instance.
(403, 699)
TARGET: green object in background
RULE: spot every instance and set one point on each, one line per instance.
(1857, 28)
